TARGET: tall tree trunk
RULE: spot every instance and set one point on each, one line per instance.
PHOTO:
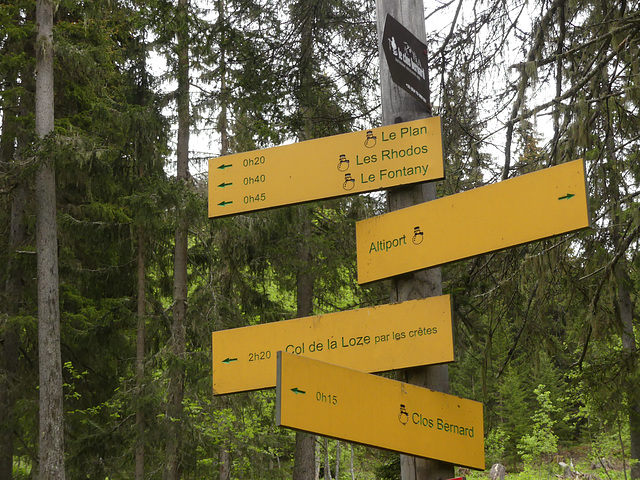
(304, 456)
(305, 452)
(13, 139)
(327, 462)
(224, 460)
(224, 456)
(624, 312)
(398, 106)
(624, 304)
(51, 436)
(630, 350)
(175, 394)
(352, 469)
(9, 333)
(140, 343)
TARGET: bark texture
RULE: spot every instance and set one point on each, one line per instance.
(51, 433)
(140, 342)
(175, 394)
(304, 456)
(398, 106)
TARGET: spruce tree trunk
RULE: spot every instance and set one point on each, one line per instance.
(224, 455)
(327, 463)
(175, 394)
(140, 342)
(624, 311)
(305, 451)
(630, 351)
(624, 305)
(13, 140)
(353, 473)
(399, 106)
(304, 460)
(224, 460)
(9, 334)
(12, 296)
(51, 436)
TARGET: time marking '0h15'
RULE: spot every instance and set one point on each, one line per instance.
(360, 407)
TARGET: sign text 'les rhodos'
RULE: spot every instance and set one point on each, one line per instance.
(329, 167)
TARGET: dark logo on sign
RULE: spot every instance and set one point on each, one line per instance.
(407, 60)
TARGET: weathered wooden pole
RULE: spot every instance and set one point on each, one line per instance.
(400, 106)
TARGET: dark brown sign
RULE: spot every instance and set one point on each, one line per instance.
(407, 60)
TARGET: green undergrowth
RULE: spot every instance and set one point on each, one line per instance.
(581, 459)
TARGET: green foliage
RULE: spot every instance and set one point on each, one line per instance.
(495, 445)
(389, 470)
(541, 441)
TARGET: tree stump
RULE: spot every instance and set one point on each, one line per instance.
(497, 472)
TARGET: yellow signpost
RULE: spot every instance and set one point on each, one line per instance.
(337, 402)
(328, 167)
(534, 206)
(376, 339)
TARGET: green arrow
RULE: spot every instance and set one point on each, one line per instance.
(223, 166)
(224, 184)
(298, 391)
(224, 203)
(229, 360)
(567, 196)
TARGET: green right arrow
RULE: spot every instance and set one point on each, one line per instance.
(297, 391)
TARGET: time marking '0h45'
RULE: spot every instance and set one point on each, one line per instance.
(329, 167)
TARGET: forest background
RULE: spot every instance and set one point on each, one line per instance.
(546, 334)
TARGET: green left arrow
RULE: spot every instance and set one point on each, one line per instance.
(229, 360)
(297, 391)
(223, 184)
(223, 166)
(224, 203)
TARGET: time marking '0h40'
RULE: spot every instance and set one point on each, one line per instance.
(329, 167)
